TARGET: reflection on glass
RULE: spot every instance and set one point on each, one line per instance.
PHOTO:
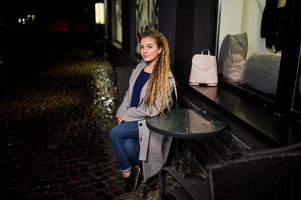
(297, 92)
(117, 21)
(298, 100)
(198, 122)
(186, 122)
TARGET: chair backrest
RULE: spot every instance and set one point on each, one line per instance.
(276, 176)
(123, 75)
(284, 149)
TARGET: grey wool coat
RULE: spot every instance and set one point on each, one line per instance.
(154, 147)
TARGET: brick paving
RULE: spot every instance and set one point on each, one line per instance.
(54, 133)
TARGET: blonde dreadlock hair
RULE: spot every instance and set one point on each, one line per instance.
(159, 79)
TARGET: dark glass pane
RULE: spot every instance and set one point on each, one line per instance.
(117, 23)
(297, 92)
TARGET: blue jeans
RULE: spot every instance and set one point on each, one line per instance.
(124, 138)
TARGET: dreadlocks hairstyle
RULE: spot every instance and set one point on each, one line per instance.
(159, 79)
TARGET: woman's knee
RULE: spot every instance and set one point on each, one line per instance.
(132, 146)
(113, 133)
(129, 146)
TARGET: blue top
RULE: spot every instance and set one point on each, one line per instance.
(140, 82)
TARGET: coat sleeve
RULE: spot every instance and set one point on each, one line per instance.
(123, 106)
(141, 112)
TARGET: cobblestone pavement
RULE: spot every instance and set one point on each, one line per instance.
(54, 133)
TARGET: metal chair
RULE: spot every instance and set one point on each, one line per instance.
(267, 176)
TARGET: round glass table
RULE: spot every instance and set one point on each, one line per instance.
(186, 123)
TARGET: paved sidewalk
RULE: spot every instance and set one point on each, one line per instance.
(54, 133)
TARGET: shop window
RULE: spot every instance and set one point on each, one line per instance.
(296, 107)
(250, 43)
(117, 22)
(147, 17)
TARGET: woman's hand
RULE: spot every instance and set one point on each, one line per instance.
(119, 119)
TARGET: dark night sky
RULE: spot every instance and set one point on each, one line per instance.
(74, 17)
(50, 8)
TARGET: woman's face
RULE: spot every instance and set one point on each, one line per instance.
(149, 49)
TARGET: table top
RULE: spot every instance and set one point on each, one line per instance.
(186, 123)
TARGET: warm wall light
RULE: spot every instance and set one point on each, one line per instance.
(99, 13)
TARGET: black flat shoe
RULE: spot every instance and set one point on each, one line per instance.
(131, 182)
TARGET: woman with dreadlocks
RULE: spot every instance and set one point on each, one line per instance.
(149, 94)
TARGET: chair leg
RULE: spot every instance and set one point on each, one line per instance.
(150, 185)
(162, 177)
